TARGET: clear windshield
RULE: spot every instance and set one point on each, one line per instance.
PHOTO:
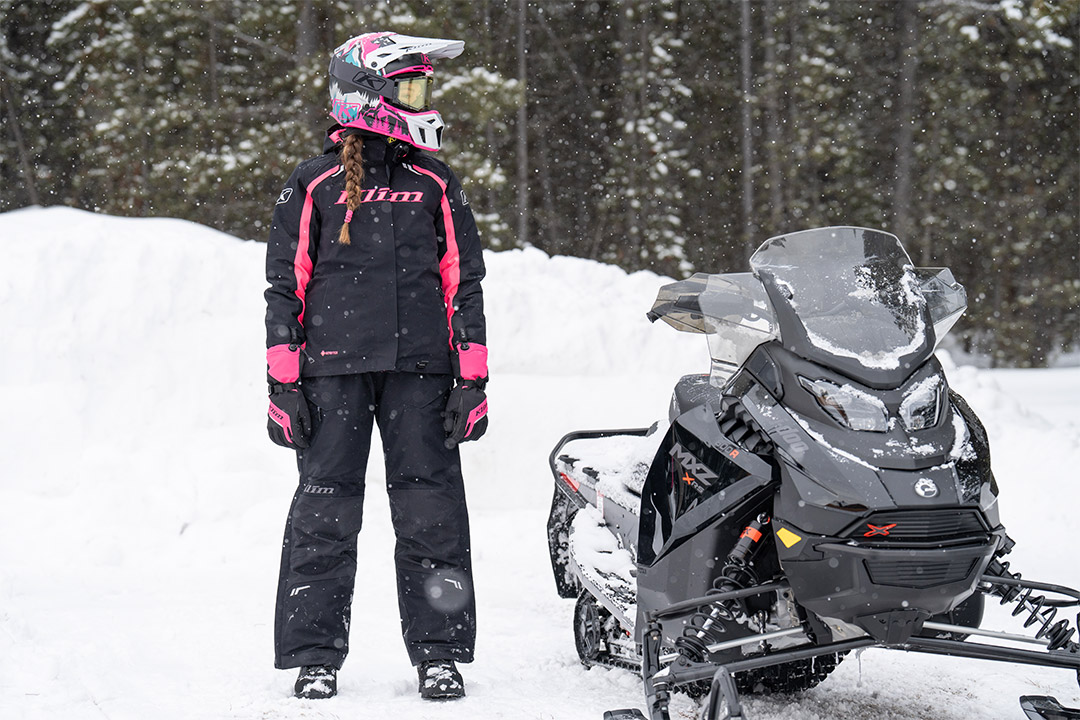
(853, 291)
(731, 309)
(946, 298)
(846, 297)
(738, 319)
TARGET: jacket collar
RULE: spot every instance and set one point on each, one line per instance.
(377, 148)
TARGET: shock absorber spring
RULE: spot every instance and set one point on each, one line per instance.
(706, 626)
(1039, 609)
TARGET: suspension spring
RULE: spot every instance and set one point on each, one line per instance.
(1040, 611)
(706, 625)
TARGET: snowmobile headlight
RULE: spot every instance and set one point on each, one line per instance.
(848, 406)
(921, 407)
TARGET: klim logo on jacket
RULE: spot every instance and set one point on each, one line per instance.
(383, 194)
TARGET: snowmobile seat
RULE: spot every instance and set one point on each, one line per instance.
(614, 466)
(691, 391)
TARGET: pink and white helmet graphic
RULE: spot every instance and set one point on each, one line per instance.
(382, 82)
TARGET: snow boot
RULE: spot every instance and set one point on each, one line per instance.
(316, 682)
(440, 680)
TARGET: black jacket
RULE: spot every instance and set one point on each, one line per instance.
(391, 299)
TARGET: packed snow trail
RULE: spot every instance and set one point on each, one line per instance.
(144, 504)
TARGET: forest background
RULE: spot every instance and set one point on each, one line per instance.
(670, 135)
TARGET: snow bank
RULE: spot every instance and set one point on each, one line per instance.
(143, 504)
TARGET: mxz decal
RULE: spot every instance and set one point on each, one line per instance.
(695, 473)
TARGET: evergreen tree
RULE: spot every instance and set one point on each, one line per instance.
(1000, 197)
(642, 199)
(38, 154)
(651, 134)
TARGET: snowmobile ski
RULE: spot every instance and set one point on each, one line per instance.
(1043, 707)
(630, 714)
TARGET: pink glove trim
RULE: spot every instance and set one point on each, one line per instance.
(281, 418)
(283, 363)
(474, 417)
(473, 361)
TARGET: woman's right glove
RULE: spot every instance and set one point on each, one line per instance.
(289, 422)
(466, 412)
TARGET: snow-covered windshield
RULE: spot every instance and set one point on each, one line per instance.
(853, 291)
(845, 297)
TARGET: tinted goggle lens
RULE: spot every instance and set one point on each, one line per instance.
(413, 93)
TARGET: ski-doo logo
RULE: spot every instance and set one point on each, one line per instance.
(926, 488)
(697, 475)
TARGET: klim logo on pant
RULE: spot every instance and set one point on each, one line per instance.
(382, 194)
(318, 490)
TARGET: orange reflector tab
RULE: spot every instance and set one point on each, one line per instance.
(751, 533)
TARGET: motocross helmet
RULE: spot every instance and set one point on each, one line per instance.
(381, 82)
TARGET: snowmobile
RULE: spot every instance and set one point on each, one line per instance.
(820, 490)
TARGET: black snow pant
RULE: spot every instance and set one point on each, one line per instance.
(427, 507)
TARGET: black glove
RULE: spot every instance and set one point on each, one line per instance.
(466, 412)
(289, 423)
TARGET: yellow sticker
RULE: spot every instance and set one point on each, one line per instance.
(787, 537)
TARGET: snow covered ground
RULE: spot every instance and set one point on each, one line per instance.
(142, 504)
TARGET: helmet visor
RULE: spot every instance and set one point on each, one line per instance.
(413, 93)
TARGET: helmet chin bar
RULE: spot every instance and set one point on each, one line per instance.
(425, 130)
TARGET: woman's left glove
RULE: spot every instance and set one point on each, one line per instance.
(289, 422)
(465, 417)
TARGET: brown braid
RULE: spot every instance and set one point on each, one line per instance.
(352, 161)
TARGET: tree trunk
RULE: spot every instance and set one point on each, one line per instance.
(522, 132)
(212, 61)
(24, 155)
(903, 223)
(749, 227)
(772, 124)
(558, 240)
(306, 34)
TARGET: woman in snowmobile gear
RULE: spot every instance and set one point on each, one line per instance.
(375, 316)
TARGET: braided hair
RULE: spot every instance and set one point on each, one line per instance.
(353, 163)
